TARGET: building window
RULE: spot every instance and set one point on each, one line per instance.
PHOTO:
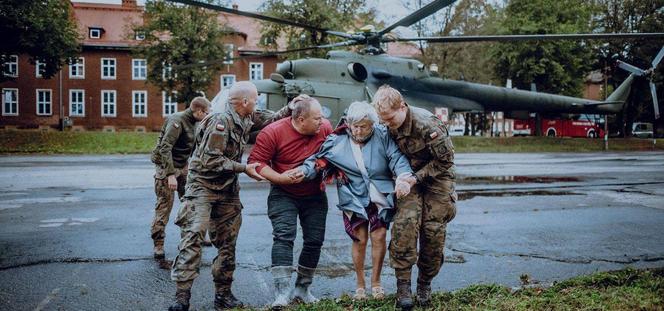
(139, 103)
(108, 68)
(43, 102)
(77, 103)
(255, 71)
(11, 66)
(39, 69)
(95, 33)
(108, 104)
(227, 80)
(9, 102)
(228, 53)
(140, 36)
(170, 103)
(139, 69)
(77, 69)
(167, 72)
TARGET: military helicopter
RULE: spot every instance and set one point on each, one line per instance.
(344, 77)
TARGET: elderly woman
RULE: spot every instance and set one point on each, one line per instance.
(365, 161)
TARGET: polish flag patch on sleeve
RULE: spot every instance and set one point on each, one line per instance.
(433, 134)
(220, 127)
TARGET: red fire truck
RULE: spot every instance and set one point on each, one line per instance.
(559, 128)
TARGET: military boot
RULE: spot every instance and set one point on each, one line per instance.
(159, 249)
(282, 277)
(305, 276)
(423, 293)
(224, 299)
(404, 296)
(182, 297)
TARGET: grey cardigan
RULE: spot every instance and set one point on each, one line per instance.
(383, 162)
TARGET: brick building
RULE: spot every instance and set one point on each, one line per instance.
(107, 88)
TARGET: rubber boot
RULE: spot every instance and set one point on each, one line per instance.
(423, 293)
(404, 295)
(182, 296)
(305, 277)
(158, 251)
(282, 277)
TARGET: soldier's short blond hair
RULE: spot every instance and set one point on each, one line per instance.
(199, 103)
(387, 98)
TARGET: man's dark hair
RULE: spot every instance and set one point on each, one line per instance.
(301, 105)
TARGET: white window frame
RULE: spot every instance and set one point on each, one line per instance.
(139, 36)
(253, 70)
(113, 67)
(4, 111)
(135, 104)
(229, 52)
(37, 71)
(97, 30)
(167, 72)
(143, 68)
(72, 113)
(221, 80)
(7, 67)
(49, 103)
(80, 67)
(172, 103)
(114, 104)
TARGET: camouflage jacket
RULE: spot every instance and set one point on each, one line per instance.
(175, 142)
(219, 145)
(424, 140)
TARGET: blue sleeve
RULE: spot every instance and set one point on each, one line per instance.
(309, 165)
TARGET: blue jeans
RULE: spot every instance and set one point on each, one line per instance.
(283, 210)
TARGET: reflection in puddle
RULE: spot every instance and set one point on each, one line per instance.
(467, 195)
(515, 179)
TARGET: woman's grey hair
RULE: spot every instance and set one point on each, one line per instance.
(358, 111)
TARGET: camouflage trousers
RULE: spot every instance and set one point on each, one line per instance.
(219, 212)
(423, 214)
(162, 209)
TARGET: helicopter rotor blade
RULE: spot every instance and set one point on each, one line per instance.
(418, 15)
(261, 17)
(658, 58)
(633, 69)
(269, 53)
(509, 38)
(653, 92)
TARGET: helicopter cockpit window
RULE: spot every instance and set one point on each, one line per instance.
(262, 101)
(357, 71)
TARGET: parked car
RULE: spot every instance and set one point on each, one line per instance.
(642, 130)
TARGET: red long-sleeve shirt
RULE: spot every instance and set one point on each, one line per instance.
(281, 147)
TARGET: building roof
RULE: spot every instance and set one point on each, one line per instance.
(114, 19)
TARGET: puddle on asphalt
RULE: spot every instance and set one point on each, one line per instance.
(516, 179)
(467, 195)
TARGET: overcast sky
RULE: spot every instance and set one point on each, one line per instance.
(389, 10)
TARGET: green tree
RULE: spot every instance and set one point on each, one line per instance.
(632, 16)
(45, 30)
(177, 35)
(557, 67)
(466, 61)
(338, 15)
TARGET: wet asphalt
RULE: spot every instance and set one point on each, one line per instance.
(75, 230)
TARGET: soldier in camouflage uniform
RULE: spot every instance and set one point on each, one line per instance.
(212, 200)
(431, 204)
(170, 157)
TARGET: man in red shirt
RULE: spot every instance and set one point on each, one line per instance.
(281, 147)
